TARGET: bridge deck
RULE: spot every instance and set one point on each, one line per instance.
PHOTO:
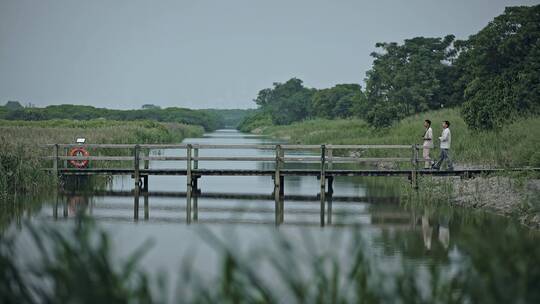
(271, 172)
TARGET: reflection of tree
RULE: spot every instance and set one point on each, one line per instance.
(13, 209)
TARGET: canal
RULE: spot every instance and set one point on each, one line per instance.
(239, 214)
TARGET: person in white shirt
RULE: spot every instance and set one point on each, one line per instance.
(446, 139)
(428, 144)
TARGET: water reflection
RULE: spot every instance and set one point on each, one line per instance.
(367, 206)
(233, 208)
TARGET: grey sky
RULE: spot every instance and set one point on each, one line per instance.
(199, 53)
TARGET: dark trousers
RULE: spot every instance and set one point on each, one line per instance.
(445, 155)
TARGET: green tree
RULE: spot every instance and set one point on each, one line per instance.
(410, 78)
(501, 65)
(340, 101)
(286, 102)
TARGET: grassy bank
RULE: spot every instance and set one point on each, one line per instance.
(515, 145)
(20, 144)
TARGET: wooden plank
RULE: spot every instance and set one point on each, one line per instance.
(342, 159)
(368, 146)
(234, 158)
(164, 158)
(286, 172)
(303, 159)
(108, 146)
(103, 158)
(228, 146)
(234, 146)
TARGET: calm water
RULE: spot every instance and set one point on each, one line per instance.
(235, 210)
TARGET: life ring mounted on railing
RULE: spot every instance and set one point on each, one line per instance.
(79, 151)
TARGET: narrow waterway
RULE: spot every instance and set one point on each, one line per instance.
(236, 210)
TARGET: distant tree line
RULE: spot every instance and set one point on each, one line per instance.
(210, 120)
(494, 76)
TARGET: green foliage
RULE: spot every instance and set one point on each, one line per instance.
(13, 105)
(78, 266)
(74, 267)
(286, 102)
(20, 151)
(207, 119)
(340, 101)
(500, 69)
(515, 145)
(257, 120)
(231, 118)
(409, 78)
(494, 74)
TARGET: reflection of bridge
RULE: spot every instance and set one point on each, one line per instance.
(224, 208)
(325, 161)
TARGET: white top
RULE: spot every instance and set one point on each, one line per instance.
(446, 139)
(428, 138)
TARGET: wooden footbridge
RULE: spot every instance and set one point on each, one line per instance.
(321, 155)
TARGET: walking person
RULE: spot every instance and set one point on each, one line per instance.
(446, 139)
(428, 144)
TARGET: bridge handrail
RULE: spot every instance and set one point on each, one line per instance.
(227, 146)
(232, 158)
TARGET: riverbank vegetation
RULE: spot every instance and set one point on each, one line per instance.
(20, 145)
(75, 259)
(492, 78)
(515, 145)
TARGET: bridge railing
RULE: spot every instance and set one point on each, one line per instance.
(325, 156)
(325, 153)
(325, 159)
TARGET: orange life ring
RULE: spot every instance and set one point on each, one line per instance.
(79, 151)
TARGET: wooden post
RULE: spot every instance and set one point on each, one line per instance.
(189, 184)
(65, 160)
(414, 173)
(323, 182)
(146, 207)
(137, 177)
(281, 186)
(55, 161)
(196, 161)
(330, 155)
(330, 185)
(277, 186)
(329, 212)
(136, 168)
(55, 210)
(195, 208)
(64, 208)
(136, 208)
(196, 178)
(146, 166)
(281, 167)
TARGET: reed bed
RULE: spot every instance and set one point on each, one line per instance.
(21, 145)
(75, 264)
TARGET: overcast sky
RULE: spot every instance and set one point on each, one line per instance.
(201, 54)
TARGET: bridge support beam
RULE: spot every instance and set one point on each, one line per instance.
(278, 186)
(414, 172)
(189, 184)
(330, 185)
(323, 182)
(137, 179)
